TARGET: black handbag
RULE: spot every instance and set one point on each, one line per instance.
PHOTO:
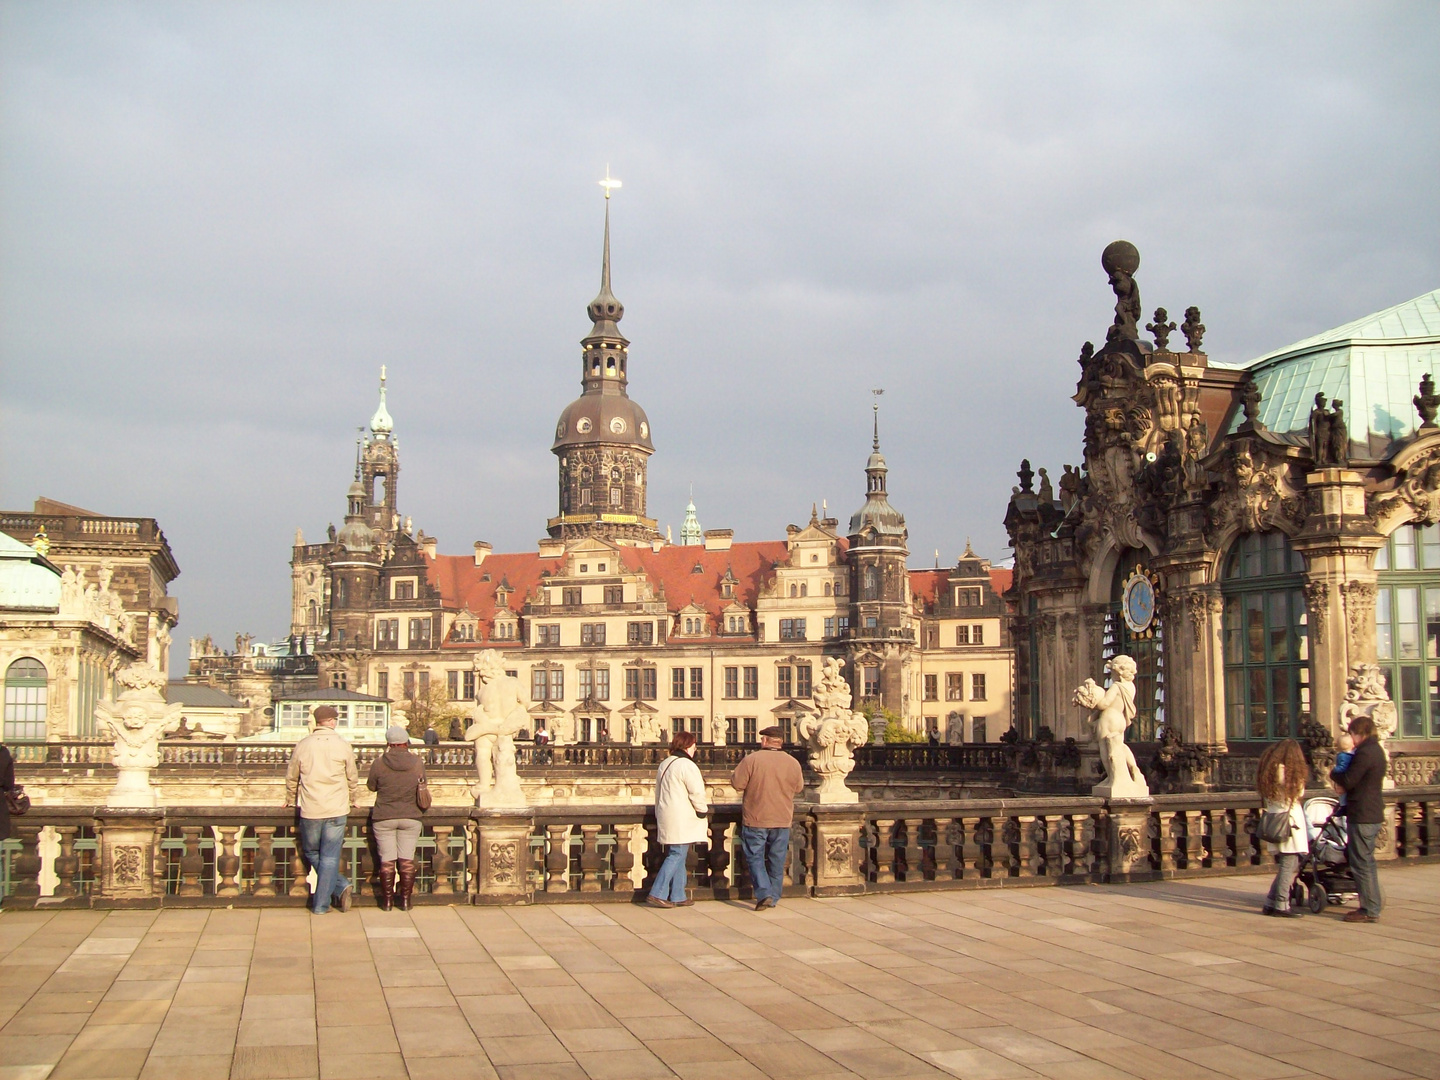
(17, 802)
(1275, 826)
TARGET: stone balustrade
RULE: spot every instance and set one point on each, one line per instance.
(73, 856)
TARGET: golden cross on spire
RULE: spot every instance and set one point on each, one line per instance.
(609, 182)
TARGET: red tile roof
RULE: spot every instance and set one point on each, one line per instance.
(925, 585)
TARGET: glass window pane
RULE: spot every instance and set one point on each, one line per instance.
(1384, 639)
(1412, 703)
(1404, 544)
(1432, 622)
(1259, 728)
(1280, 695)
(1434, 673)
(1302, 625)
(1234, 653)
(1382, 558)
(1430, 547)
(1275, 553)
(1254, 557)
(1407, 604)
(1235, 704)
(1255, 628)
(1279, 627)
(1297, 562)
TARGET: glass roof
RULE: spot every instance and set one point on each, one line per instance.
(1374, 365)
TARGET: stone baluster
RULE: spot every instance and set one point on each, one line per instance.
(717, 859)
(797, 862)
(1430, 813)
(1099, 844)
(1169, 840)
(264, 860)
(1249, 850)
(971, 856)
(444, 861)
(590, 858)
(298, 886)
(1195, 854)
(557, 858)
(914, 850)
(192, 862)
(623, 857)
(67, 863)
(25, 869)
(884, 851)
(947, 866)
(654, 853)
(1025, 846)
(472, 858)
(227, 860)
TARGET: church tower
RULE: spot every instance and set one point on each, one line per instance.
(603, 438)
(880, 633)
(380, 471)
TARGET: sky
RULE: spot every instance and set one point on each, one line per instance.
(217, 221)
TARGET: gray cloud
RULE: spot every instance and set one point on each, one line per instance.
(218, 221)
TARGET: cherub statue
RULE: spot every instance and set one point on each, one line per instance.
(1113, 710)
(136, 720)
(497, 717)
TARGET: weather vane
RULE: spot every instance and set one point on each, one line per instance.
(608, 183)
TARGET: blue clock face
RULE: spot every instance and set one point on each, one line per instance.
(1138, 603)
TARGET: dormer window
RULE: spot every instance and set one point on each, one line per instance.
(727, 590)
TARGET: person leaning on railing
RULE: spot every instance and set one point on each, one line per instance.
(322, 781)
(680, 819)
(401, 797)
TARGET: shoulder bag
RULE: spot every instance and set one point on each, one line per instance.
(423, 799)
(1275, 826)
(17, 802)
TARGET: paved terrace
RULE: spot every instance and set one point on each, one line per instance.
(1173, 980)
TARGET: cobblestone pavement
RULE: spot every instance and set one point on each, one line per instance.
(1173, 980)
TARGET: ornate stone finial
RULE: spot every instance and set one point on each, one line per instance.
(1120, 260)
(1087, 353)
(1427, 404)
(1250, 400)
(1161, 329)
(1193, 329)
(969, 552)
(814, 516)
(1026, 475)
(832, 732)
(381, 425)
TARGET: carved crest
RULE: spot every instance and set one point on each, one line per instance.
(1418, 490)
(1255, 495)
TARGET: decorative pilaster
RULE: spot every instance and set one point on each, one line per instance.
(129, 858)
(503, 872)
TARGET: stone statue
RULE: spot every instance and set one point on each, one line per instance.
(645, 728)
(1427, 403)
(1113, 709)
(1339, 436)
(832, 732)
(330, 532)
(1069, 487)
(1319, 430)
(497, 717)
(161, 653)
(1161, 329)
(1365, 695)
(1120, 261)
(1193, 329)
(136, 720)
(1046, 495)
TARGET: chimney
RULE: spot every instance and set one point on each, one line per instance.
(482, 550)
(719, 539)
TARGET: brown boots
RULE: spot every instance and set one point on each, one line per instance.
(407, 868)
(387, 886)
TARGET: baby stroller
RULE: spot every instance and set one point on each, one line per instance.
(1324, 873)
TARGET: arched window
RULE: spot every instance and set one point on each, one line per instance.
(312, 613)
(342, 592)
(26, 700)
(870, 583)
(1267, 649)
(1407, 627)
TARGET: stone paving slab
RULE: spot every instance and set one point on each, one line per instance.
(1167, 980)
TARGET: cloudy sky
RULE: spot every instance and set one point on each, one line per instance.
(218, 220)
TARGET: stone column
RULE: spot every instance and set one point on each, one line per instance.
(130, 871)
(837, 853)
(1339, 543)
(503, 870)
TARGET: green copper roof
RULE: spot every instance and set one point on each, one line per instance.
(27, 581)
(1373, 364)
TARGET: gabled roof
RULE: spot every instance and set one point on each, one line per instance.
(196, 696)
(927, 585)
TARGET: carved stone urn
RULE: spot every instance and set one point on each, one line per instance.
(137, 720)
(831, 734)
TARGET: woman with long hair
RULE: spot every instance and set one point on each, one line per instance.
(1280, 780)
(680, 810)
(401, 798)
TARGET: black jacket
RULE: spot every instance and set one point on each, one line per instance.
(1362, 782)
(7, 782)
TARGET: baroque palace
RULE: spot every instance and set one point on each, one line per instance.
(1263, 540)
(618, 634)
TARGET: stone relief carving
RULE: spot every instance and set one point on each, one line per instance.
(1255, 496)
(1112, 710)
(1198, 605)
(129, 866)
(837, 855)
(1365, 695)
(1317, 600)
(502, 862)
(1417, 489)
(832, 732)
(1359, 600)
(1070, 633)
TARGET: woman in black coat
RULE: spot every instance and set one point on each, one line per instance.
(7, 784)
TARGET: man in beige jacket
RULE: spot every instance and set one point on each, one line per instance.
(322, 781)
(770, 779)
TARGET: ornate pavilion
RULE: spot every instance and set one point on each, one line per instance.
(1253, 536)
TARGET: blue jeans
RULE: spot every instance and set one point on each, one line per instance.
(321, 842)
(670, 880)
(765, 851)
(1360, 854)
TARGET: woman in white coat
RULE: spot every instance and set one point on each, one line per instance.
(1280, 780)
(680, 810)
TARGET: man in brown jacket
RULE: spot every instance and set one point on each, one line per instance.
(769, 779)
(322, 781)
